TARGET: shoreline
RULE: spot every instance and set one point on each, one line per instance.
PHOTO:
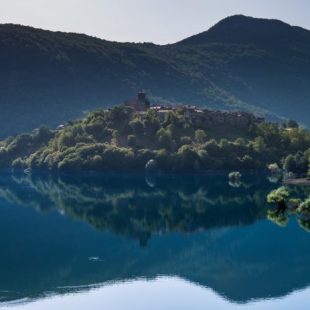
(298, 181)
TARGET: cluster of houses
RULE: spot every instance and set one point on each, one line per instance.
(199, 116)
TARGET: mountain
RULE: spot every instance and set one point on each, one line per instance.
(241, 29)
(241, 63)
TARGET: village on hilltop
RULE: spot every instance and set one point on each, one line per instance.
(197, 115)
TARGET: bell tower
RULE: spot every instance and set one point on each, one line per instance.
(142, 97)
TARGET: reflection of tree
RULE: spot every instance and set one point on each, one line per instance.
(278, 217)
(236, 183)
(274, 178)
(288, 201)
(57, 258)
(128, 206)
(304, 223)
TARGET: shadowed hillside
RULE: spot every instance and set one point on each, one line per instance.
(241, 63)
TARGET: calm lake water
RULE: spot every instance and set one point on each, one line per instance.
(136, 242)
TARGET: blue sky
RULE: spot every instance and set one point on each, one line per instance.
(159, 21)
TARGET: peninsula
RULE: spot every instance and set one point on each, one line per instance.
(138, 135)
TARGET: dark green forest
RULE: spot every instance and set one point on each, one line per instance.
(241, 63)
(121, 139)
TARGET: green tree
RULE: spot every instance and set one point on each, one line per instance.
(274, 168)
(200, 136)
(234, 176)
(248, 162)
(188, 157)
(297, 163)
(212, 148)
(292, 124)
(137, 126)
(279, 197)
(164, 139)
(186, 140)
(132, 141)
(289, 163)
(259, 144)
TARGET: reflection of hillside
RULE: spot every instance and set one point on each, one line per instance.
(43, 253)
(128, 206)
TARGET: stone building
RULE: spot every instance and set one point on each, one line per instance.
(211, 118)
(199, 117)
(140, 103)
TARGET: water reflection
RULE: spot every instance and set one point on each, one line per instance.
(137, 207)
(196, 228)
(290, 202)
(157, 294)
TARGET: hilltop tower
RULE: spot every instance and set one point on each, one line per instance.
(140, 103)
(142, 97)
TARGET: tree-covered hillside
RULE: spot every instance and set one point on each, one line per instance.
(125, 140)
(241, 63)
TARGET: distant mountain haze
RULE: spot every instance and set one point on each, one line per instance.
(241, 63)
(241, 29)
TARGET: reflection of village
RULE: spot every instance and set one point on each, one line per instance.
(137, 208)
(197, 115)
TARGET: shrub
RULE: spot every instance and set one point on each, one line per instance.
(234, 176)
(278, 195)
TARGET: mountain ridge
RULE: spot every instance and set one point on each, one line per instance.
(250, 25)
(227, 20)
(51, 77)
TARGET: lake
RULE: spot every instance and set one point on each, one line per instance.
(148, 242)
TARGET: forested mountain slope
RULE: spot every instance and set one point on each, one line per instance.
(240, 63)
